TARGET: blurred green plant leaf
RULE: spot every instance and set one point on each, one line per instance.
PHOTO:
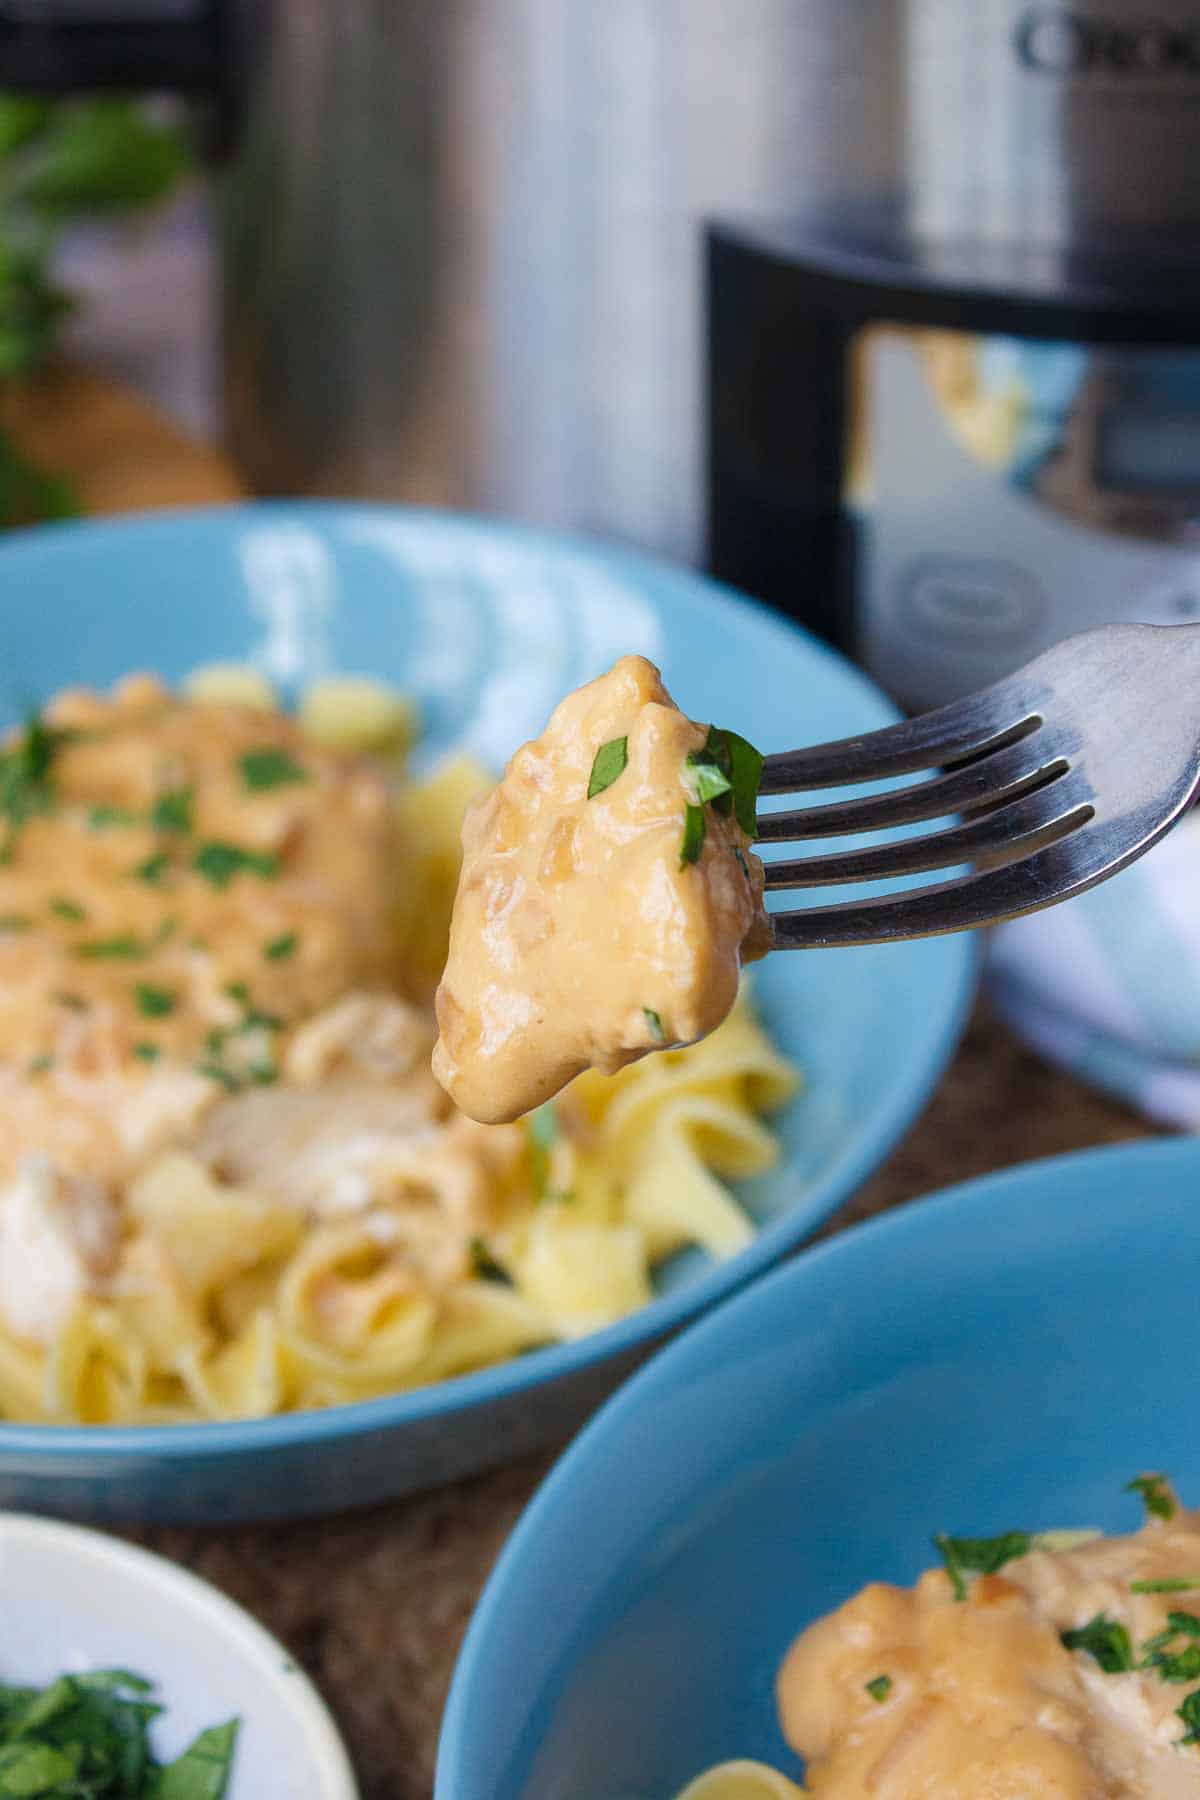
(29, 495)
(61, 161)
(22, 117)
(99, 156)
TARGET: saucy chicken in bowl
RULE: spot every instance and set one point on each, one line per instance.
(875, 1533)
(229, 1182)
(241, 1222)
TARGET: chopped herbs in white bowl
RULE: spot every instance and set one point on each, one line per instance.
(123, 1677)
(89, 1737)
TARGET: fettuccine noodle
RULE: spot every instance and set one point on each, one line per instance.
(313, 1223)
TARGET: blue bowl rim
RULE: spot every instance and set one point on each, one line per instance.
(704, 1344)
(664, 1314)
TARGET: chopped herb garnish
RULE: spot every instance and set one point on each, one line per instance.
(1104, 1639)
(483, 1264)
(15, 922)
(147, 1053)
(655, 1025)
(25, 785)
(1189, 1712)
(105, 818)
(280, 948)
(979, 1556)
(154, 1002)
(708, 780)
(67, 909)
(216, 1065)
(87, 1737)
(154, 868)
(726, 774)
(1155, 1492)
(879, 1688)
(219, 863)
(38, 1066)
(217, 1072)
(258, 1020)
(609, 762)
(173, 810)
(72, 1002)
(1179, 1665)
(1179, 1624)
(1169, 1584)
(746, 766)
(263, 769)
(694, 828)
(112, 949)
(1167, 1663)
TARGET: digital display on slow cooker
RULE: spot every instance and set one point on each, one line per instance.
(1148, 452)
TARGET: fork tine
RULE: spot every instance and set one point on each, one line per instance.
(1006, 835)
(973, 726)
(1067, 868)
(1004, 775)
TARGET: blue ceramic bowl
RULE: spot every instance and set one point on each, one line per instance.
(1008, 1354)
(488, 625)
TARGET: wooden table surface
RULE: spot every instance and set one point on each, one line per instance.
(374, 1604)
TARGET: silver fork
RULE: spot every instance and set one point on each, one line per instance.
(1055, 778)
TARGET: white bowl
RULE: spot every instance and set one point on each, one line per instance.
(76, 1600)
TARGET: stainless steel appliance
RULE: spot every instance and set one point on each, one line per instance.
(953, 425)
(464, 262)
(464, 238)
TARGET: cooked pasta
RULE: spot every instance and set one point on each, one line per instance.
(229, 1185)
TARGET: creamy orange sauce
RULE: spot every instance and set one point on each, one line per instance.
(981, 1700)
(135, 958)
(581, 936)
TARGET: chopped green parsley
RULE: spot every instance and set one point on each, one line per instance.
(879, 1688)
(483, 1264)
(1104, 1639)
(979, 1556)
(609, 762)
(154, 1002)
(263, 769)
(106, 818)
(154, 868)
(87, 1737)
(724, 775)
(280, 948)
(654, 1025)
(1189, 1712)
(124, 946)
(70, 910)
(1156, 1493)
(174, 810)
(694, 829)
(220, 862)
